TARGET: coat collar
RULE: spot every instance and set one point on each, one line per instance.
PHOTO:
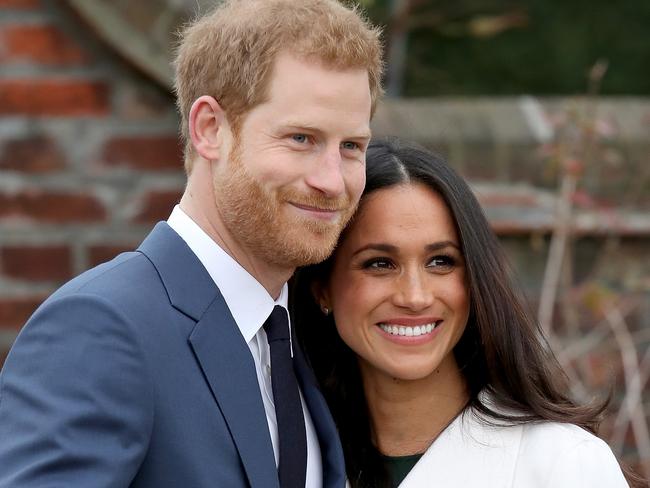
(219, 348)
(470, 452)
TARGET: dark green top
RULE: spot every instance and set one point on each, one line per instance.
(399, 466)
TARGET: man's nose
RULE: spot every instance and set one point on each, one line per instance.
(326, 175)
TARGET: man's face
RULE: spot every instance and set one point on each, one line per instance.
(296, 167)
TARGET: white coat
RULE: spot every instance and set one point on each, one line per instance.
(469, 453)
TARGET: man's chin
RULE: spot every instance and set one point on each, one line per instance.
(305, 251)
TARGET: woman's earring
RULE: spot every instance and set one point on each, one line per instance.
(326, 311)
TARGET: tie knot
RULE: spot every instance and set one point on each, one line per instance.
(277, 325)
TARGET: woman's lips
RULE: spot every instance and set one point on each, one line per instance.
(397, 329)
(410, 330)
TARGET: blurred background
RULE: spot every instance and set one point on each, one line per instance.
(544, 105)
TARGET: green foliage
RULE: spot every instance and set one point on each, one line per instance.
(471, 47)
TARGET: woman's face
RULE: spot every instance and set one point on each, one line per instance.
(398, 289)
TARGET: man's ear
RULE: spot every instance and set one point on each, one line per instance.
(207, 123)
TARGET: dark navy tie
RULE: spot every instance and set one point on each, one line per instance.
(292, 465)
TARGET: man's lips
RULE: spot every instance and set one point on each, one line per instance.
(319, 212)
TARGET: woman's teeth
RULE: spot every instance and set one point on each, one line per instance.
(405, 330)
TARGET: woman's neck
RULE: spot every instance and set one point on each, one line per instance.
(408, 415)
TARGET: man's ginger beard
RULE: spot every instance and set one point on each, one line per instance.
(263, 223)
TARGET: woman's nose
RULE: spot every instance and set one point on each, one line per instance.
(414, 292)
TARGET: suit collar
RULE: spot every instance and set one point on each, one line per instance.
(248, 301)
(188, 284)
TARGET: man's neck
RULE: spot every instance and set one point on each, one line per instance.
(271, 277)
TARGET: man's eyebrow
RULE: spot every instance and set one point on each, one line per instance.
(297, 126)
(364, 135)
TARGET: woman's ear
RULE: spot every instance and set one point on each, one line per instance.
(207, 123)
(321, 296)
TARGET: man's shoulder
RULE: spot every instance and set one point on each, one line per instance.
(125, 273)
(128, 286)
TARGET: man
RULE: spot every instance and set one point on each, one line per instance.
(170, 366)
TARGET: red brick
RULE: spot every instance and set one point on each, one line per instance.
(157, 205)
(143, 102)
(33, 155)
(20, 4)
(145, 153)
(3, 355)
(52, 207)
(53, 98)
(101, 253)
(42, 44)
(37, 263)
(14, 312)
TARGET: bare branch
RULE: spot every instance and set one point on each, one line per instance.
(557, 252)
(632, 404)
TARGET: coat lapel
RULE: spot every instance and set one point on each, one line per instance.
(328, 438)
(220, 349)
(468, 453)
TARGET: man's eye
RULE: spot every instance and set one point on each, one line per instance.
(349, 145)
(299, 138)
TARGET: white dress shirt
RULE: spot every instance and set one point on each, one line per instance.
(250, 305)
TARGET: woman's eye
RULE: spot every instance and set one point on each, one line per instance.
(441, 262)
(378, 263)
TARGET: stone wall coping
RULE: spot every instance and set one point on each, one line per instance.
(522, 209)
(509, 119)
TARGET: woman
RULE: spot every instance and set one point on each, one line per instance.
(433, 369)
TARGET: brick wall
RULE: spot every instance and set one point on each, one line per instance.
(89, 157)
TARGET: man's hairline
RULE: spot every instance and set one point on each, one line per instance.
(313, 58)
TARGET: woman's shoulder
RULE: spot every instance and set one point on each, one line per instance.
(560, 435)
(566, 455)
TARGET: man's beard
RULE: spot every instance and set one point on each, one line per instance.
(255, 218)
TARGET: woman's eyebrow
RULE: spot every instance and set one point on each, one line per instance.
(376, 246)
(436, 246)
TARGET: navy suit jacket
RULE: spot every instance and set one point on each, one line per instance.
(135, 374)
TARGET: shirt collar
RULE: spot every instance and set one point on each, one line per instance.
(249, 302)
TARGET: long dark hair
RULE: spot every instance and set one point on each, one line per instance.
(502, 351)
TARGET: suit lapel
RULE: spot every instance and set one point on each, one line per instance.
(220, 350)
(328, 438)
(229, 369)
